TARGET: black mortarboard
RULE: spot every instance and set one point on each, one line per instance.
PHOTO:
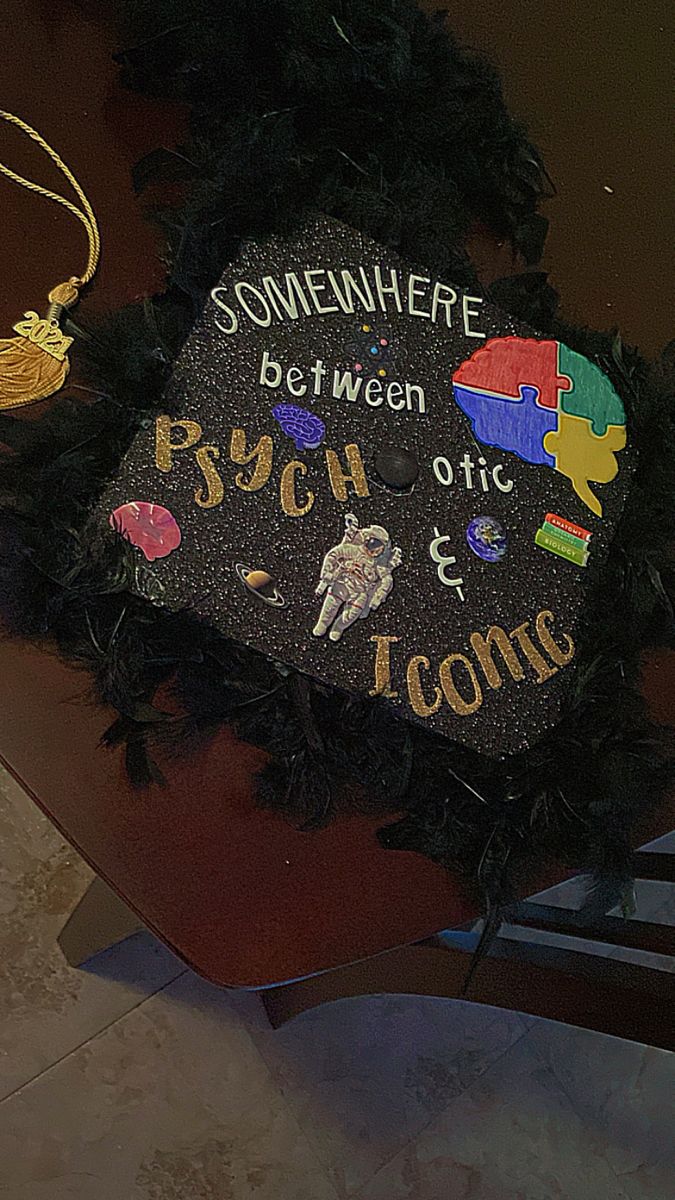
(388, 483)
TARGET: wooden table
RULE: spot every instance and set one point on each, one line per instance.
(241, 896)
(238, 893)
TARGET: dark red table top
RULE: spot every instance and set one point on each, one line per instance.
(241, 895)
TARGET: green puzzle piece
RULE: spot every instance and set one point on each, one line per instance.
(592, 395)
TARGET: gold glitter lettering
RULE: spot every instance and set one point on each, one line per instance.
(261, 454)
(289, 500)
(338, 479)
(383, 666)
(164, 447)
(462, 707)
(484, 648)
(543, 669)
(556, 652)
(418, 701)
(214, 484)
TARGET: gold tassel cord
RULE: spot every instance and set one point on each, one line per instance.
(35, 364)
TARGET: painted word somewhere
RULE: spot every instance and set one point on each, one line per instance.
(462, 679)
(174, 436)
(299, 294)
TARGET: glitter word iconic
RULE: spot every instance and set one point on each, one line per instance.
(460, 679)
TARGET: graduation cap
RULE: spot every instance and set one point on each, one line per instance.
(383, 481)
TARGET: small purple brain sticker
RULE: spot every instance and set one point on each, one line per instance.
(149, 526)
(306, 429)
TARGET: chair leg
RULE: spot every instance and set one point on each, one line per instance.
(419, 969)
(557, 985)
(99, 921)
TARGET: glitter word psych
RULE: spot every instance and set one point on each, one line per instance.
(175, 436)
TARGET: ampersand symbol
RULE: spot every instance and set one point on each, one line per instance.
(444, 561)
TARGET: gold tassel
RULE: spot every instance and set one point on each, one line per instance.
(34, 365)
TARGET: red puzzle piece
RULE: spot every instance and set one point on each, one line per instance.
(503, 365)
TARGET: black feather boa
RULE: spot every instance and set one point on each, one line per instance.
(367, 110)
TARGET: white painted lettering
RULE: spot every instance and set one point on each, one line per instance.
(269, 365)
(233, 320)
(240, 290)
(314, 290)
(294, 376)
(446, 301)
(373, 393)
(471, 312)
(346, 385)
(443, 471)
(387, 289)
(414, 294)
(395, 397)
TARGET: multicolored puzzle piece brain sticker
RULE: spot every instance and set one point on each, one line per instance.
(546, 404)
(306, 429)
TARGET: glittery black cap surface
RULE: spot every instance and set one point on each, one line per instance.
(358, 460)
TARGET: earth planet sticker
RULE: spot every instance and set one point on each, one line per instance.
(487, 538)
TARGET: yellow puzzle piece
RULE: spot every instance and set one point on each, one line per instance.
(582, 456)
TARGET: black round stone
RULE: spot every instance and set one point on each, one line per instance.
(396, 467)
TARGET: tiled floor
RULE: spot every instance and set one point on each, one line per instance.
(135, 1080)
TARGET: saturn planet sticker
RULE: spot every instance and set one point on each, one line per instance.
(260, 584)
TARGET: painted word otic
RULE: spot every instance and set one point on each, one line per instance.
(469, 476)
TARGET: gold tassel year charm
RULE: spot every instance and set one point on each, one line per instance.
(35, 364)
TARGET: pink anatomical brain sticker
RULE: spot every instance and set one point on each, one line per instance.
(149, 526)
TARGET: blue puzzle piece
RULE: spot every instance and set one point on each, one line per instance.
(518, 425)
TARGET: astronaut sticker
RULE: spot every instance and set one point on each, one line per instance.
(356, 577)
